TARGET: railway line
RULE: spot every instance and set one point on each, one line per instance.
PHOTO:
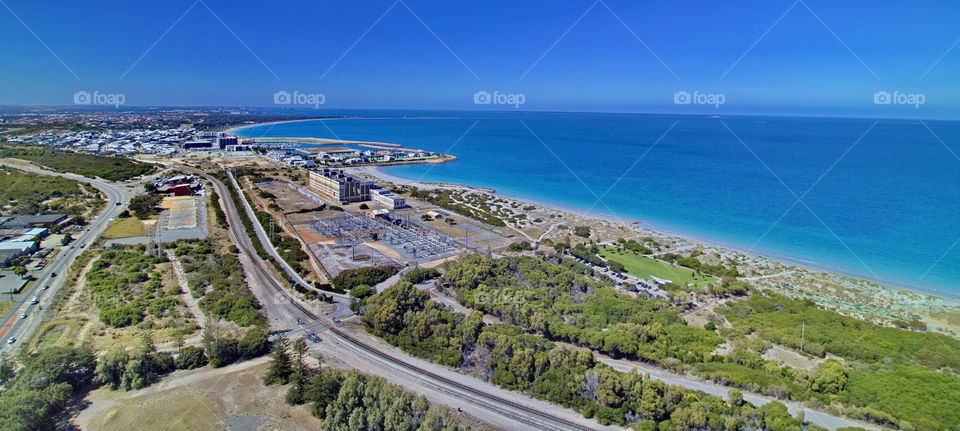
(471, 395)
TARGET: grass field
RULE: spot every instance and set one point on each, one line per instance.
(125, 228)
(642, 266)
(4, 306)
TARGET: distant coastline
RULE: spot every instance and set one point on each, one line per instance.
(812, 265)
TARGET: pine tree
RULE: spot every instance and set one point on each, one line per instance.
(295, 395)
(280, 366)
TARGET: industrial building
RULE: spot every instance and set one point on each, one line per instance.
(387, 198)
(28, 221)
(339, 186)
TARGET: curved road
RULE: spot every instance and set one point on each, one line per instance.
(21, 329)
(502, 408)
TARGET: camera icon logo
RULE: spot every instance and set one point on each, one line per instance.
(282, 98)
(682, 98)
(882, 98)
(482, 98)
(81, 98)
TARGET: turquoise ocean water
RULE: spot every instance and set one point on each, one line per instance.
(877, 198)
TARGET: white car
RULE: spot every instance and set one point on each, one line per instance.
(11, 340)
(34, 300)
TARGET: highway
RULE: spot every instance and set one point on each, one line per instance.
(499, 407)
(21, 329)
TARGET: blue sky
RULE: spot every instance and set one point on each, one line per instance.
(820, 58)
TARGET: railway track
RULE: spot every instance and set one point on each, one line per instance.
(489, 401)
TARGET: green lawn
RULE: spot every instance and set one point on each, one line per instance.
(4, 306)
(125, 228)
(642, 266)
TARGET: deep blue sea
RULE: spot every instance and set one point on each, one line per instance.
(877, 199)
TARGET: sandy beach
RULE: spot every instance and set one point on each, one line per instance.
(853, 295)
(849, 294)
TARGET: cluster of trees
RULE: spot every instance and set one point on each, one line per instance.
(134, 370)
(897, 377)
(216, 278)
(587, 253)
(557, 300)
(693, 263)
(420, 275)
(145, 205)
(218, 213)
(350, 400)
(126, 287)
(30, 193)
(504, 355)
(45, 384)
(87, 165)
(634, 246)
(582, 231)
(370, 275)
(520, 246)
(554, 299)
(729, 286)
(221, 349)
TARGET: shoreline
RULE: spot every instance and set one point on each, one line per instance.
(693, 239)
(890, 286)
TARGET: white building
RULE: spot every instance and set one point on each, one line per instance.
(388, 199)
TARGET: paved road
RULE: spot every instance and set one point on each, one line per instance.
(238, 235)
(265, 241)
(502, 408)
(21, 329)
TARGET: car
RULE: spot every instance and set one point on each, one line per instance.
(11, 340)
(53, 274)
(34, 300)
(23, 316)
(119, 203)
(46, 286)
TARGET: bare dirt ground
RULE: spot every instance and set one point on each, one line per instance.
(200, 399)
(288, 198)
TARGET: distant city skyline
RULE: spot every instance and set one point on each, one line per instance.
(794, 57)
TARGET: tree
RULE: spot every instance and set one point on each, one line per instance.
(67, 239)
(111, 367)
(7, 369)
(254, 343)
(145, 205)
(615, 266)
(280, 367)
(191, 357)
(21, 271)
(830, 378)
(582, 231)
(364, 206)
(299, 377)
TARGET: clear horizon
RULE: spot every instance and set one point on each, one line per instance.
(784, 58)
